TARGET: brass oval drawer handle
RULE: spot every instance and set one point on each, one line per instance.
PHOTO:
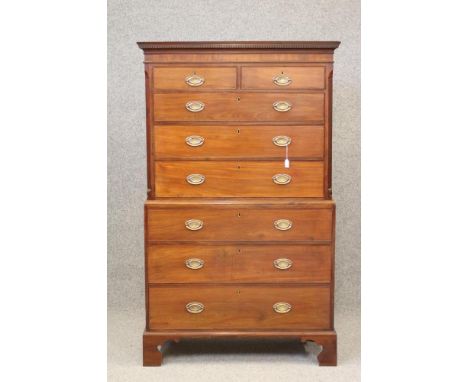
(283, 224)
(282, 264)
(282, 140)
(194, 224)
(282, 106)
(195, 106)
(194, 80)
(282, 178)
(195, 307)
(194, 140)
(282, 80)
(195, 178)
(194, 263)
(282, 307)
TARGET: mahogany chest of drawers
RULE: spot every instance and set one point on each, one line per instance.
(239, 221)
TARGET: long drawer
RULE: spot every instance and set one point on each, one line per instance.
(239, 307)
(222, 142)
(239, 263)
(237, 106)
(238, 179)
(238, 222)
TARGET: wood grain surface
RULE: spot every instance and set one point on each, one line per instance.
(237, 142)
(238, 179)
(231, 223)
(239, 263)
(229, 106)
(261, 77)
(239, 307)
(173, 78)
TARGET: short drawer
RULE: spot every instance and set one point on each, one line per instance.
(207, 142)
(275, 107)
(193, 78)
(283, 77)
(172, 263)
(238, 179)
(235, 223)
(239, 307)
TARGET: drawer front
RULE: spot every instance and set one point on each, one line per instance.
(206, 142)
(233, 224)
(282, 263)
(239, 307)
(238, 107)
(188, 263)
(238, 179)
(283, 77)
(239, 263)
(194, 78)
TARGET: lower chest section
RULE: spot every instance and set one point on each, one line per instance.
(242, 264)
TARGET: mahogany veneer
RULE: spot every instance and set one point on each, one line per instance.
(222, 142)
(239, 307)
(238, 179)
(238, 245)
(248, 263)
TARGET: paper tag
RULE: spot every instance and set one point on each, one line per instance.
(286, 163)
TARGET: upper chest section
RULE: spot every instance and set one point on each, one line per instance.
(270, 82)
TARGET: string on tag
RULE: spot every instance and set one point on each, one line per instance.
(286, 160)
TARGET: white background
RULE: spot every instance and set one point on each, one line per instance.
(414, 190)
(53, 190)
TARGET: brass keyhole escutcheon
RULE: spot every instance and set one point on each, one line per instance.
(238, 99)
